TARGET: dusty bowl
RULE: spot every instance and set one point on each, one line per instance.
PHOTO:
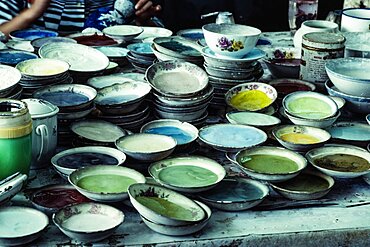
(231, 40)
(318, 123)
(350, 75)
(283, 62)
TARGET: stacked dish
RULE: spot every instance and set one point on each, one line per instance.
(9, 82)
(13, 57)
(123, 33)
(177, 48)
(140, 56)
(310, 109)
(37, 43)
(41, 72)
(186, 217)
(115, 54)
(31, 34)
(181, 91)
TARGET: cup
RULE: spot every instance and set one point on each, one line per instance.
(301, 11)
(44, 135)
(355, 20)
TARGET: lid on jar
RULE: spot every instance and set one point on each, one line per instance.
(15, 120)
(324, 40)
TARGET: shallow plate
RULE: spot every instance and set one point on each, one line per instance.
(175, 78)
(81, 58)
(235, 194)
(231, 137)
(42, 67)
(252, 118)
(105, 183)
(123, 32)
(153, 32)
(9, 77)
(192, 34)
(13, 57)
(113, 52)
(37, 43)
(21, 225)
(187, 174)
(22, 45)
(350, 131)
(31, 34)
(177, 47)
(108, 80)
(253, 55)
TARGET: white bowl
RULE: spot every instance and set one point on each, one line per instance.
(350, 75)
(283, 62)
(317, 153)
(231, 40)
(252, 118)
(194, 213)
(180, 230)
(105, 182)
(318, 123)
(88, 222)
(123, 33)
(355, 20)
(146, 147)
(279, 176)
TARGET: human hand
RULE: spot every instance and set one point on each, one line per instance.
(145, 9)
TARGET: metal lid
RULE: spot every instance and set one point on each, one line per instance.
(324, 40)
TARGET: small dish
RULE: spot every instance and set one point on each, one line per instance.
(340, 161)
(100, 82)
(252, 118)
(183, 132)
(22, 225)
(146, 197)
(113, 51)
(189, 174)
(339, 101)
(93, 39)
(146, 147)
(310, 105)
(31, 34)
(69, 160)
(251, 96)
(176, 79)
(318, 123)
(252, 56)
(51, 198)
(350, 131)
(37, 43)
(235, 194)
(13, 57)
(180, 230)
(300, 138)
(153, 32)
(21, 45)
(272, 164)
(123, 33)
(141, 49)
(177, 47)
(10, 186)
(105, 183)
(309, 185)
(41, 67)
(231, 137)
(88, 222)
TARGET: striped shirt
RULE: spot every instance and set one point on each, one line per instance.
(61, 15)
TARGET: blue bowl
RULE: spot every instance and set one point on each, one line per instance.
(31, 34)
(13, 57)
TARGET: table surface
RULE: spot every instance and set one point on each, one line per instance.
(341, 219)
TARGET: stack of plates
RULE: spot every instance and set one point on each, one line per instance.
(181, 91)
(40, 72)
(9, 78)
(225, 73)
(177, 48)
(140, 56)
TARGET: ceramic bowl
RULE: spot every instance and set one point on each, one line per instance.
(146, 147)
(285, 86)
(184, 133)
(231, 137)
(21, 225)
(367, 178)
(352, 132)
(177, 47)
(9, 79)
(153, 32)
(252, 118)
(123, 33)
(235, 194)
(227, 73)
(140, 195)
(10, 186)
(141, 50)
(13, 57)
(37, 43)
(88, 222)
(193, 34)
(264, 89)
(339, 101)
(276, 171)
(350, 75)
(180, 230)
(309, 185)
(41, 67)
(318, 123)
(99, 82)
(230, 40)
(31, 34)
(105, 183)
(353, 103)
(121, 98)
(176, 79)
(93, 39)
(189, 174)
(310, 105)
(300, 138)
(321, 159)
(355, 20)
(69, 160)
(283, 62)
(162, 57)
(51, 198)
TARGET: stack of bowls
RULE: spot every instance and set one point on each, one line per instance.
(181, 91)
(310, 109)
(350, 80)
(230, 57)
(9, 82)
(123, 104)
(41, 72)
(177, 48)
(140, 56)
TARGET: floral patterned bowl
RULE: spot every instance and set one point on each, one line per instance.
(231, 40)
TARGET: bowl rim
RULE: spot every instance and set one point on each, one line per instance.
(332, 72)
(324, 133)
(330, 87)
(136, 30)
(207, 27)
(357, 9)
(228, 117)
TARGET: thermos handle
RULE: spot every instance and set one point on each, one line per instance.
(42, 131)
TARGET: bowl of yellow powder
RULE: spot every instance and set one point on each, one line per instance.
(251, 96)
